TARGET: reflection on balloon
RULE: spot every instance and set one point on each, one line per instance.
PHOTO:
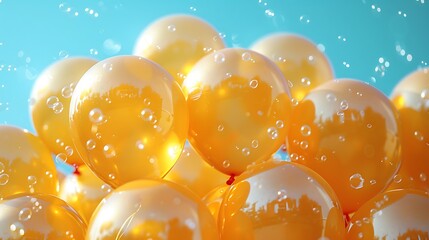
(195, 173)
(83, 191)
(177, 42)
(301, 62)
(26, 165)
(49, 105)
(39, 216)
(347, 131)
(411, 98)
(129, 119)
(239, 106)
(152, 209)
(395, 214)
(279, 200)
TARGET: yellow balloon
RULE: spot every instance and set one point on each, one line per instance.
(26, 165)
(193, 172)
(302, 63)
(83, 191)
(239, 106)
(280, 200)
(152, 209)
(39, 216)
(214, 199)
(177, 42)
(129, 119)
(49, 105)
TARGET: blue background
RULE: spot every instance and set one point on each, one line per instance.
(378, 42)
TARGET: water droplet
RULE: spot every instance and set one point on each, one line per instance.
(2, 167)
(106, 188)
(331, 97)
(108, 66)
(171, 28)
(323, 158)
(226, 164)
(32, 180)
(111, 47)
(304, 19)
(148, 116)
(24, 214)
(409, 57)
(369, 125)
(255, 143)
(96, 116)
(245, 151)
(58, 107)
(90, 144)
(273, 133)
(289, 83)
(112, 176)
(219, 57)
(294, 102)
(269, 13)
(360, 235)
(253, 83)
(281, 195)
(246, 56)
(341, 138)
(69, 150)
(109, 151)
(51, 101)
(17, 230)
(303, 145)
(139, 145)
(305, 81)
(418, 135)
(397, 178)
(66, 92)
(356, 181)
(4, 179)
(220, 127)
(93, 51)
(63, 54)
(422, 177)
(279, 124)
(344, 105)
(61, 157)
(372, 181)
(305, 130)
(425, 94)
(366, 220)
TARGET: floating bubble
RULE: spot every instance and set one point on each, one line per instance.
(51, 101)
(305, 81)
(32, 180)
(303, 145)
(305, 130)
(245, 151)
(66, 92)
(272, 133)
(58, 107)
(111, 46)
(220, 127)
(356, 181)
(219, 58)
(279, 124)
(304, 19)
(69, 150)
(61, 157)
(344, 105)
(255, 143)
(90, 144)
(109, 151)
(253, 83)
(4, 179)
(96, 116)
(148, 115)
(226, 164)
(25, 214)
(140, 145)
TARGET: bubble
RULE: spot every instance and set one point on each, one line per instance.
(66, 92)
(344, 105)
(331, 97)
(193, 9)
(366, 220)
(24, 214)
(341, 138)
(245, 151)
(304, 19)
(112, 176)
(171, 28)
(281, 195)
(279, 124)
(226, 164)
(397, 178)
(109, 151)
(418, 135)
(2, 167)
(253, 83)
(139, 145)
(93, 51)
(305, 130)
(273, 133)
(61, 157)
(219, 57)
(303, 145)
(425, 94)
(108, 66)
(111, 47)
(106, 188)
(346, 64)
(220, 127)
(323, 158)
(360, 235)
(4, 179)
(90, 144)
(305, 81)
(58, 107)
(422, 177)
(246, 56)
(17, 230)
(148, 115)
(63, 54)
(369, 125)
(255, 143)
(409, 57)
(294, 102)
(32, 180)
(51, 101)
(96, 116)
(356, 181)
(372, 181)
(69, 150)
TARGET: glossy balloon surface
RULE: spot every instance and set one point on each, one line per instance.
(347, 131)
(129, 119)
(239, 106)
(301, 62)
(39, 216)
(411, 98)
(214, 199)
(177, 42)
(396, 214)
(152, 209)
(50, 102)
(26, 165)
(279, 200)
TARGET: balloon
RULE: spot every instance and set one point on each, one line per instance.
(129, 119)
(347, 131)
(396, 214)
(280, 200)
(195, 173)
(411, 98)
(177, 42)
(39, 216)
(239, 109)
(301, 62)
(50, 101)
(26, 165)
(152, 209)
(214, 199)
(83, 191)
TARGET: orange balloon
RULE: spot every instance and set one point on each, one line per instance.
(280, 200)
(193, 172)
(26, 165)
(129, 119)
(301, 62)
(214, 199)
(152, 209)
(50, 101)
(83, 191)
(39, 216)
(239, 108)
(347, 131)
(396, 214)
(177, 42)
(411, 98)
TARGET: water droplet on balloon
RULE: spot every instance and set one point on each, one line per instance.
(109, 151)
(397, 178)
(112, 176)
(303, 145)
(253, 83)
(422, 177)
(139, 145)
(331, 97)
(246, 56)
(148, 116)
(171, 28)
(24, 214)
(50, 102)
(96, 116)
(418, 135)
(2, 167)
(58, 107)
(305, 130)
(219, 57)
(344, 105)
(90, 144)
(272, 133)
(245, 151)
(226, 164)
(281, 195)
(220, 127)
(69, 150)
(305, 81)
(4, 179)
(356, 181)
(255, 143)
(32, 180)
(106, 188)
(66, 92)
(17, 230)
(61, 157)
(372, 181)
(341, 138)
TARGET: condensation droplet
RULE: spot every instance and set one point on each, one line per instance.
(106, 188)
(341, 138)
(226, 164)
(61, 157)
(372, 181)
(305, 130)
(245, 151)
(112, 176)
(51, 101)
(356, 181)
(360, 235)
(344, 105)
(219, 57)
(253, 83)
(96, 116)
(4, 179)
(109, 151)
(108, 66)
(17, 230)
(279, 124)
(24, 214)
(90, 144)
(323, 158)
(255, 143)
(273, 133)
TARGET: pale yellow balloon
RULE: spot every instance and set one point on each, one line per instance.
(177, 42)
(39, 216)
(26, 165)
(49, 105)
(83, 191)
(152, 209)
(302, 63)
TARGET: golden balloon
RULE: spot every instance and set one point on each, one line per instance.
(152, 209)
(177, 42)
(39, 216)
(129, 119)
(49, 105)
(301, 62)
(26, 165)
(239, 107)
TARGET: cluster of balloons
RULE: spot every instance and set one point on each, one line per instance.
(177, 142)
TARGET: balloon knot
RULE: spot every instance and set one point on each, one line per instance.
(231, 180)
(76, 170)
(346, 219)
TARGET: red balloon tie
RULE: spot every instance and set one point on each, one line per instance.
(231, 180)
(76, 170)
